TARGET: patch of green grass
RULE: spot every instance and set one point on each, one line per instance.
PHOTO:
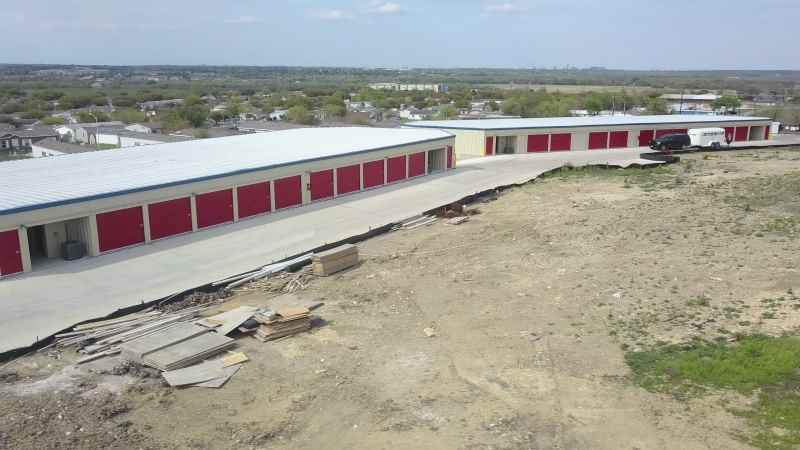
(700, 300)
(776, 417)
(753, 362)
(782, 191)
(646, 178)
(787, 226)
(766, 366)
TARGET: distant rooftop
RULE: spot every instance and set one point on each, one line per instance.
(63, 147)
(691, 97)
(576, 122)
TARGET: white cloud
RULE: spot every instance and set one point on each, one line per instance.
(242, 20)
(378, 7)
(502, 8)
(331, 14)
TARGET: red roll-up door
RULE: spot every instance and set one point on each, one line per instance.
(288, 192)
(490, 145)
(416, 163)
(253, 199)
(348, 179)
(373, 174)
(598, 140)
(766, 132)
(321, 184)
(730, 133)
(618, 139)
(121, 228)
(560, 142)
(645, 136)
(170, 218)
(537, 143)
(396, 169)
(10, 253)
(214, 208)
(450, 157)
(742, 133)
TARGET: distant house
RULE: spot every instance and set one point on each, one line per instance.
(265, 126)
(25, 138)
(147, 128)
(279, 114)
(690, 103)
(212, 132)
(416, 114)
(155, 105)
(53, 147)
(126, 138)
(82, 132)
(409, 87)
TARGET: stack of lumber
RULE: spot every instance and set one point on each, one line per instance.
(107, 335)
(136, 349)
(334, 260)
(281, 323)
(188, 352)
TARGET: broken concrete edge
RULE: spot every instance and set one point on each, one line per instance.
(209, 288)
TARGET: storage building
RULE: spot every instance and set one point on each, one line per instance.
(556, 134)
(109, 200)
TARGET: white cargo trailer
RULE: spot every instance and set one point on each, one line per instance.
(707, 137)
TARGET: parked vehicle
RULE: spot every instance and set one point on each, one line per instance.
(707, 137)
(671, 142)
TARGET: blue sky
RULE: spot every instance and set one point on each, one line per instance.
(625, 34)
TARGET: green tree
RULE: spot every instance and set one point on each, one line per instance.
(334, 106)
(233, 106)
(447, 112)
(128, 115)
(201, 133)
(53, 120)
(492, 106)
(334, 110)
(656, 105)
(728, 102)
(300, 114)
(172, 121)
(89, 117)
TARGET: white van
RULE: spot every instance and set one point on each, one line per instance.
(707, 137)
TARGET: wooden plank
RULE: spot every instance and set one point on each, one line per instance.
(186, 352)
(198, 373)
(216, 383)
(228, 321)
(137, 348)
(342, 249)
(234, 358)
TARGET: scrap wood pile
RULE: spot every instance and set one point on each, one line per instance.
(282, 323)
(176, 340)
(183, 345)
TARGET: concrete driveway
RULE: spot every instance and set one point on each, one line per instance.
(61, 294)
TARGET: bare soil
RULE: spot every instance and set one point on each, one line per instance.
(505, 332)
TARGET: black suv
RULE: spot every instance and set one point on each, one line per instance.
(671, 142)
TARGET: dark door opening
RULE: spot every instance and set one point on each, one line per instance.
(37, 244)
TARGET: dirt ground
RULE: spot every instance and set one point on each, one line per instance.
(508, 331)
